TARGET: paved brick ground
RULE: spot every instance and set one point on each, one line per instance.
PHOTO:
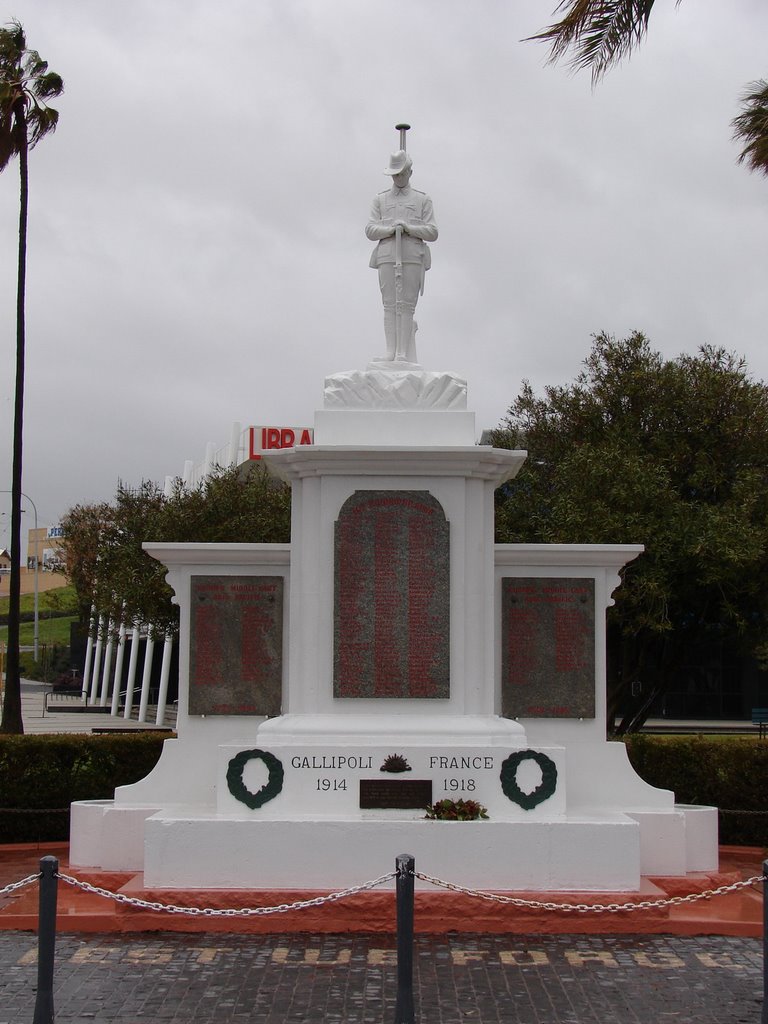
(290, 979)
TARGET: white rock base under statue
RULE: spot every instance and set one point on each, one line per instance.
(399, 386)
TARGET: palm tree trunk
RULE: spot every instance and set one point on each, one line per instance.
(12, 720)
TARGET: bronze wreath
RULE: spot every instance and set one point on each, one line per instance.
(238, 788)
(545, 788)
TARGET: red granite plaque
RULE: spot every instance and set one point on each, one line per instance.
(548, 648)
(236, 645)
(391, 596)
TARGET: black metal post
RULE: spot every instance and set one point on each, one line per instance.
(404, 1013)
(46, 939)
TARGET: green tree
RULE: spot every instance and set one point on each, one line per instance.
(600, 33)
(26, 85)
(672, 454)
(105, 560)
(84, 526)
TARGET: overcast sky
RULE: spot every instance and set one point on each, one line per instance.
(196, 250)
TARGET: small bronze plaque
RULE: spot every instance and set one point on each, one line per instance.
(395, 794)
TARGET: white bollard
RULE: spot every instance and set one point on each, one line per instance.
(234, 445)
(115, 708)
(104, 692)
(165, 672)
(132, 663)
(89, 652)
(210, 460)
(147, 675)
(97, 660)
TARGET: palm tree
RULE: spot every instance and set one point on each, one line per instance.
(751, 127)
(26, 85)
(600, 33)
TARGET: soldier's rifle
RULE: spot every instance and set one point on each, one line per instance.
(400, 349)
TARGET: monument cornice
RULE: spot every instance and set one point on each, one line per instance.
(604, 556)
(478, 462)
(192, 554)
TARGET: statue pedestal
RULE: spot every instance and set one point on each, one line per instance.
(411, 660)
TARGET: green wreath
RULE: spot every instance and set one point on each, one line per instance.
(545, 788)
(238, 788)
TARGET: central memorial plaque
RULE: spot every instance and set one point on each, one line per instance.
(236, 645)
(390, 794)
(548, 647)
(391, 596)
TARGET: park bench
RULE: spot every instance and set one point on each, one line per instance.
(106, 729)
(760, 719)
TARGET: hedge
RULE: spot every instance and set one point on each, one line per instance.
(49, 772)
(42, 615)
(729, 772)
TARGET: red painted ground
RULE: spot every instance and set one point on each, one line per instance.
(436, 912)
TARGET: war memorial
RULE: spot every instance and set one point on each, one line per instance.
(392, 656)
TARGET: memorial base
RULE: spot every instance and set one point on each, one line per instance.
(205, 851)
(200, 849)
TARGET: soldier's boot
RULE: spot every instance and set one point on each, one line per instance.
(390, 330)
(405, 334)
(411, 353)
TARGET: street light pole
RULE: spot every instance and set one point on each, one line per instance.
(37, 571)
(36, 639)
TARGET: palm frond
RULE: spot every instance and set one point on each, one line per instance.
(8, 93)
(48, 85)
(7, 146)
(12, 43)
(751, 127)
(26, 85)
(41, 121)
(598, 33)
(34, 65)
(9, 136)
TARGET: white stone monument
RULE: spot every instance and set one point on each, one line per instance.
(392, 656)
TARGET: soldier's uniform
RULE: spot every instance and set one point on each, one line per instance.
(414, 208)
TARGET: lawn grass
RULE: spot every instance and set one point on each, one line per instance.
(51, 631)
(58, 599)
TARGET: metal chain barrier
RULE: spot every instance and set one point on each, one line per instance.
(319, 901)
(170, 908)
(405, 873)
(590, 908)
(20, 884)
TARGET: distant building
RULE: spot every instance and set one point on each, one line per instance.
(5, 560)
(46, 544)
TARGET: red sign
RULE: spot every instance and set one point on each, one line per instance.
(264, 439)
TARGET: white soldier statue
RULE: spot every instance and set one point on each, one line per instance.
(402, 222)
